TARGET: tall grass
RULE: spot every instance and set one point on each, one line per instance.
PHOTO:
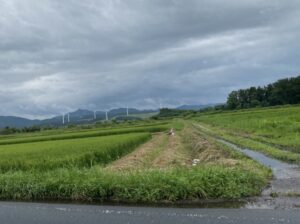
(94, 184)
(84, 152)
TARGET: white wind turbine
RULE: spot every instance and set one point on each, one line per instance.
(106, 115)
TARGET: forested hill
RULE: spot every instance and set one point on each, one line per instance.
(284, 91)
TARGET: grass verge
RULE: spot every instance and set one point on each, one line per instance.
(202, 182)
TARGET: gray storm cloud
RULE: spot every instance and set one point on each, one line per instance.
(56, 56)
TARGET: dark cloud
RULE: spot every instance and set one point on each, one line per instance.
(57, 56)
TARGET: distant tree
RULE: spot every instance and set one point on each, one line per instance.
(169, 113)
(220, 107)
(232, 100)
(260, 95)
(31, 129)
(243, 95)
(252, 95)
(8, 130)
(284, 91)
(294, 90)
(255, 103)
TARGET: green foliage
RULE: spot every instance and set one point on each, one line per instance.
(166, 113)
(284, 91)
(31, 129)
(9, 131)
(233, 100)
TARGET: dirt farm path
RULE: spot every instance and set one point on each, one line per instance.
(162, 151)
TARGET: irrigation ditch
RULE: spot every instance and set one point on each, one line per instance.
(283, 190)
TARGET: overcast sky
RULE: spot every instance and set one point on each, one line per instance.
(57, 56)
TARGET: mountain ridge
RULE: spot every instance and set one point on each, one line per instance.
(81, 116)
(76, 117)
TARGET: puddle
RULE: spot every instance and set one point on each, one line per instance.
(205, 203)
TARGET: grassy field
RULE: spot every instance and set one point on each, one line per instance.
(273, 131)
(68, 153)
(83, 134)
(83, 129)
(126, 164)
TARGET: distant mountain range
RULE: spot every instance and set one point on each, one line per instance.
(79, 116)
(17, 122)
(82, 116)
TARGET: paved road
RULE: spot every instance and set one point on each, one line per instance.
(36, 213)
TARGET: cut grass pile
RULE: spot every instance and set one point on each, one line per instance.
(204, 148)
(143, 156)
(83, 152)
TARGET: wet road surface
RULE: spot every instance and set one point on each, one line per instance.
(37, 213)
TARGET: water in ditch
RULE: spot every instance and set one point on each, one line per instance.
(284, 189)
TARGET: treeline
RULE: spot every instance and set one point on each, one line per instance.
(284, 91)
(169, 113)
(11, 130)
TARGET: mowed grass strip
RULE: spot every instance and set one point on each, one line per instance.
(87, 134)
(84, 152)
